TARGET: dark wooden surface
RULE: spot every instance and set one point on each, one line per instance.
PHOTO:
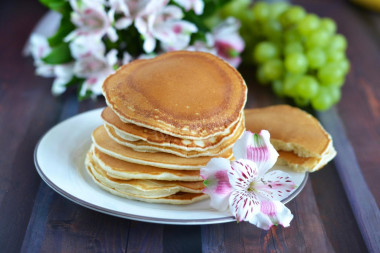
(33, 218)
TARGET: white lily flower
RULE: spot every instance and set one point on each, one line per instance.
(196, 5)
(91, 19)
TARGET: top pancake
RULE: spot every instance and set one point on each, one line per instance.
(291, 129)
(193, 95)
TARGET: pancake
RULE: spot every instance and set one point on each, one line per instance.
(303, 164)
(291, 129)
(142, 146)
(179, 198)
(132, 132)
(108, 146)
(143, 188)
(192, 95)
(124, 170)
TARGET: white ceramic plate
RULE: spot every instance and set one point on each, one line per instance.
(59, 159)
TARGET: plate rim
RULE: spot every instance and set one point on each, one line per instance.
(130, 216)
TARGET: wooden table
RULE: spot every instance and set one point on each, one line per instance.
(33, 218)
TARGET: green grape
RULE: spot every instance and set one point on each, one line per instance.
(277, 8)
(296, 63)
(234, 8)
(212, 21)
(292, 15)
(293, 47)
(261, 11)
(330, 74)
(272, 30)
(337, 42)
(307, 87)
(278, 88)
(301, 102)
(309, 23)
(334, 92)
(261, 76)
(272, 69)
(328, 25)
(317, 38)
(335, 55)
(316, 58)
(344, 64)
(264, 51)
(289, 84)
(322, 101)
(292, 35)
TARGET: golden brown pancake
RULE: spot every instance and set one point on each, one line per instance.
(179, 198)
(142, 146)
(124, 170)
(192, 95)
(143, 188)
(302, 164)
(108, 146)
(132, 132)
(291, 129)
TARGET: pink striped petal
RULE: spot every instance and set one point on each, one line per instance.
(257, 148)
(216, 181)
(242, 173)
(244, 205)
(275, 185)
(272, 213)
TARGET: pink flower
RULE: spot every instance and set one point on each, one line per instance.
(91, 19)
(251, 192)
(167, 27)
(134, 9)
(196, 5)
(63, 73)
(92, 62)
(228, 42)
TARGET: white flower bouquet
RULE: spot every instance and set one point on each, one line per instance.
(95, 37)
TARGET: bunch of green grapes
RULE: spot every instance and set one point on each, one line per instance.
(298, 53)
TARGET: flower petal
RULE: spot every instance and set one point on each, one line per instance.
(257, 148)
(275, 185)
(272, 213)
(217, 183)
(242, 173)
(244, 205)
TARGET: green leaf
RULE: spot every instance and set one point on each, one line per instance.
(64, 29)
(61, 6)
(74, 81)
(87, 95)
(58, 55)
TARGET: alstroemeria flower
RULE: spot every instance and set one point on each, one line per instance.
(92, 62)
(91, 19)
(134, 9)
(196, 5)
(39, 48)
(167, 27)
(228, 42)
(245, 186)
(64, 73)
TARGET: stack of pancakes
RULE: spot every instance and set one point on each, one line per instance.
(299, 138)
(166, 118)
